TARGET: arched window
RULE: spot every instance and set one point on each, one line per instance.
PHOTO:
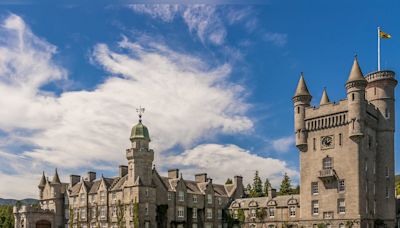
(327, 163)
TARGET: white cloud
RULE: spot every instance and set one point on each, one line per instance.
(223, 161)
(165, 12)
(283, 144)
(202, 20)
(278, 39)
(185, 101)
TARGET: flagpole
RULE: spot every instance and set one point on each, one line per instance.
(379, 49)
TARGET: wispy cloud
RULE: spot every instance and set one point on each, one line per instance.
(283, 144)
(278, 39)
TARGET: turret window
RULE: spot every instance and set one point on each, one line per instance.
(298, 110)
(352, 96)
(386, 113)
(340, 139)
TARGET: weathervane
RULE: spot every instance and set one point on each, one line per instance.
(140, 111)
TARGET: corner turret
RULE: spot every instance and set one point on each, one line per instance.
(355, 87)
(301, 100)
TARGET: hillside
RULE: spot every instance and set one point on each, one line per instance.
(14, 201)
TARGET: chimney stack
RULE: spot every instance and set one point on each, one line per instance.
(173, 173)
(91, 176)
(201, 177)
(74, 179)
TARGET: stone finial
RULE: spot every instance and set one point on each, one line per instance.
(324, 98)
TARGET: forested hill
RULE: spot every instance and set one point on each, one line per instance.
(14, 201)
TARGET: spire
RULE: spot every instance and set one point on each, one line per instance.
(56, 179)
(42, 181)
(355, 73)
(324, 98)
(302, 89)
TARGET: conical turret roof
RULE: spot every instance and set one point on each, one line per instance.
(324, 98)
(56, 178)
(42, 181)
(302, 89)
(355, 73)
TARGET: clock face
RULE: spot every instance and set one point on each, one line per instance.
(327, 142)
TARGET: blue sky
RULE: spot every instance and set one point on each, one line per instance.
(216, 81)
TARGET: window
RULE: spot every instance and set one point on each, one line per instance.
(103, 212)
(147, 192)
(181, 196)
(219, 213)
(147, 224)
(83, 198)
(219, 201)
(341, 206)
(194, 213)
(83, 213)
(271, 212)
(314, 188)
(340, 139)
(352, 96)
(209, 213)
(102, 196)
(341, 186)
(194, 225)
(328, 215)
(386, 172)
(114, 211)
(387, 192)
(386, 113)
(292, 211)
(94, 213)
(327, 163)
(253, 213)
(194, 198)
(169, 196)
(366, 165)
(315, 207)
(235, 214)
(181, 211)
(209, 198)
(209, 225)
(341, 225)
(147, 209)
(314, 144)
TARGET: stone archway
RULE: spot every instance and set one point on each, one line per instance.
(43, 224)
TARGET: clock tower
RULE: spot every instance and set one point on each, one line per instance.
(346, 152)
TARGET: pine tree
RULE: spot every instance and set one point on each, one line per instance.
(228, 181)
(248, 189)
(257, 190)
(267, 185)
(286, 186)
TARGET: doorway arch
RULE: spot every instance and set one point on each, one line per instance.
(43, 224)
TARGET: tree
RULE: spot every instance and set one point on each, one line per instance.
(228, 181)
(296, 190)
(6, 216)
(286, 186)
(267, 185)
(120, 214)
(248, 189)
(71, 217)
(257, 190)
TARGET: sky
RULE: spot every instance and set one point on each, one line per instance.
(216, 80)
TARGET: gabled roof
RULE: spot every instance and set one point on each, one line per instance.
(95, 187)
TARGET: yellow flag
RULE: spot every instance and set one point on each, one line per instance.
(384, 35)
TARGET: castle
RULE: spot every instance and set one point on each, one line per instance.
(346, 151)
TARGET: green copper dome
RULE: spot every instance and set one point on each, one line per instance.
(139, 131)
